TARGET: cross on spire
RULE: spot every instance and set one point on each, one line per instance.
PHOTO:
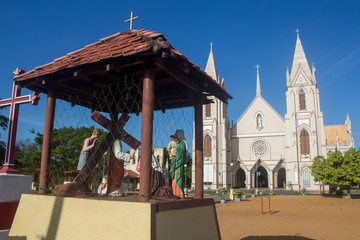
(211, 45)
(297, 31)
(131, 19)
(258, 88)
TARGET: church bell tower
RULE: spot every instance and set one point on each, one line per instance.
(305, 138)
(216, 134)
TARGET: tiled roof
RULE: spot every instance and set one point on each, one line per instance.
(120, 44)
(332, 131)
(98, 65)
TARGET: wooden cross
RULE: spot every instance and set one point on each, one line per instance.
(131, 19)
(124, 136)
(116, 168)
(14, 103)
(116, 131)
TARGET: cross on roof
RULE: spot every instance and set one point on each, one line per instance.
(297, 31)
(257, 67)
(14, 103)
(131, 19)
(211, 45)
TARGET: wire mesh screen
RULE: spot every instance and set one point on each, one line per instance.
(98, 153)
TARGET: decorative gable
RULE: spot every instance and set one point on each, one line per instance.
(301, 78)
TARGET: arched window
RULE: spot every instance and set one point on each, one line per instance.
(304, 142)
(207, 110)
(302, 100)
(259, 121)
(306, 177)
(207, 146)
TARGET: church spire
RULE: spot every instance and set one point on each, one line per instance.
(300, 60)
(211, 68)
(258, 88)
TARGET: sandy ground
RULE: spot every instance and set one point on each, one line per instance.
(291, 217)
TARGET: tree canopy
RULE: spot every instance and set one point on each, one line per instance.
(338, 169)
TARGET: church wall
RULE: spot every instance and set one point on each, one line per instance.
(247, 124)
(234, 148)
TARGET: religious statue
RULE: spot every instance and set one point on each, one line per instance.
(120, 156)
(177, 165)
(171, 149)
(89, 145)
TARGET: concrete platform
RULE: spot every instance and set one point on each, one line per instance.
(51, 217)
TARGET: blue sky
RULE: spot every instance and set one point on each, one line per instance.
(244, 33)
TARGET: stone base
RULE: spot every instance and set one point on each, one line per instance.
(11, 188)
(51, 217)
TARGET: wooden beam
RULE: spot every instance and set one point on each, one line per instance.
(177, 73)
(124, 136)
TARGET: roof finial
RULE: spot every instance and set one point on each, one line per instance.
(131, 19)
(258, 88)
(297, 31)
(211, 45)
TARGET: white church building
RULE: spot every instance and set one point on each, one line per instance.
(264, 149)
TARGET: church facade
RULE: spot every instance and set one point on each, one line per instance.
(264, 149)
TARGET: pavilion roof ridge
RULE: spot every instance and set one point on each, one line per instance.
(110, 46)
(128, 48)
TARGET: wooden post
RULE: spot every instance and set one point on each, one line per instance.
(261, 202)
(147, 131)
(46, 146)
(199, 161)
(269, 204)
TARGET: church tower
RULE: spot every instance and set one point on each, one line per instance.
(215, 134)
(305, 138)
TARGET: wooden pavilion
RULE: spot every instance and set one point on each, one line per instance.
(166, 79)
(144, 58)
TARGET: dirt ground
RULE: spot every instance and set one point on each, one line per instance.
(291, 217)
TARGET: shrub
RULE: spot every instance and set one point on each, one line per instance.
(338, 192)
(238, 193)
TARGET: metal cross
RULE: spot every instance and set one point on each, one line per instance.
(14, 103)
(297, 31)
(211, 44)
(131, 19)
(257, 67)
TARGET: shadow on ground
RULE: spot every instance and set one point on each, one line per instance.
(276, 238)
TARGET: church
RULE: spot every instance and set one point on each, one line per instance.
(264, 149)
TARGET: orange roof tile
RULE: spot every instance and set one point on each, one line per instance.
(120, 44)
(332, 131)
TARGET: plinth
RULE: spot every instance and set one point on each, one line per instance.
(51, 217)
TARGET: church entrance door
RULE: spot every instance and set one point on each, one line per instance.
(261, 178)
(240, 179)
(281, 178)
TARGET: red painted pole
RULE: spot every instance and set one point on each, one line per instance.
(199, 161)
(147, 131)
(46, 147)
